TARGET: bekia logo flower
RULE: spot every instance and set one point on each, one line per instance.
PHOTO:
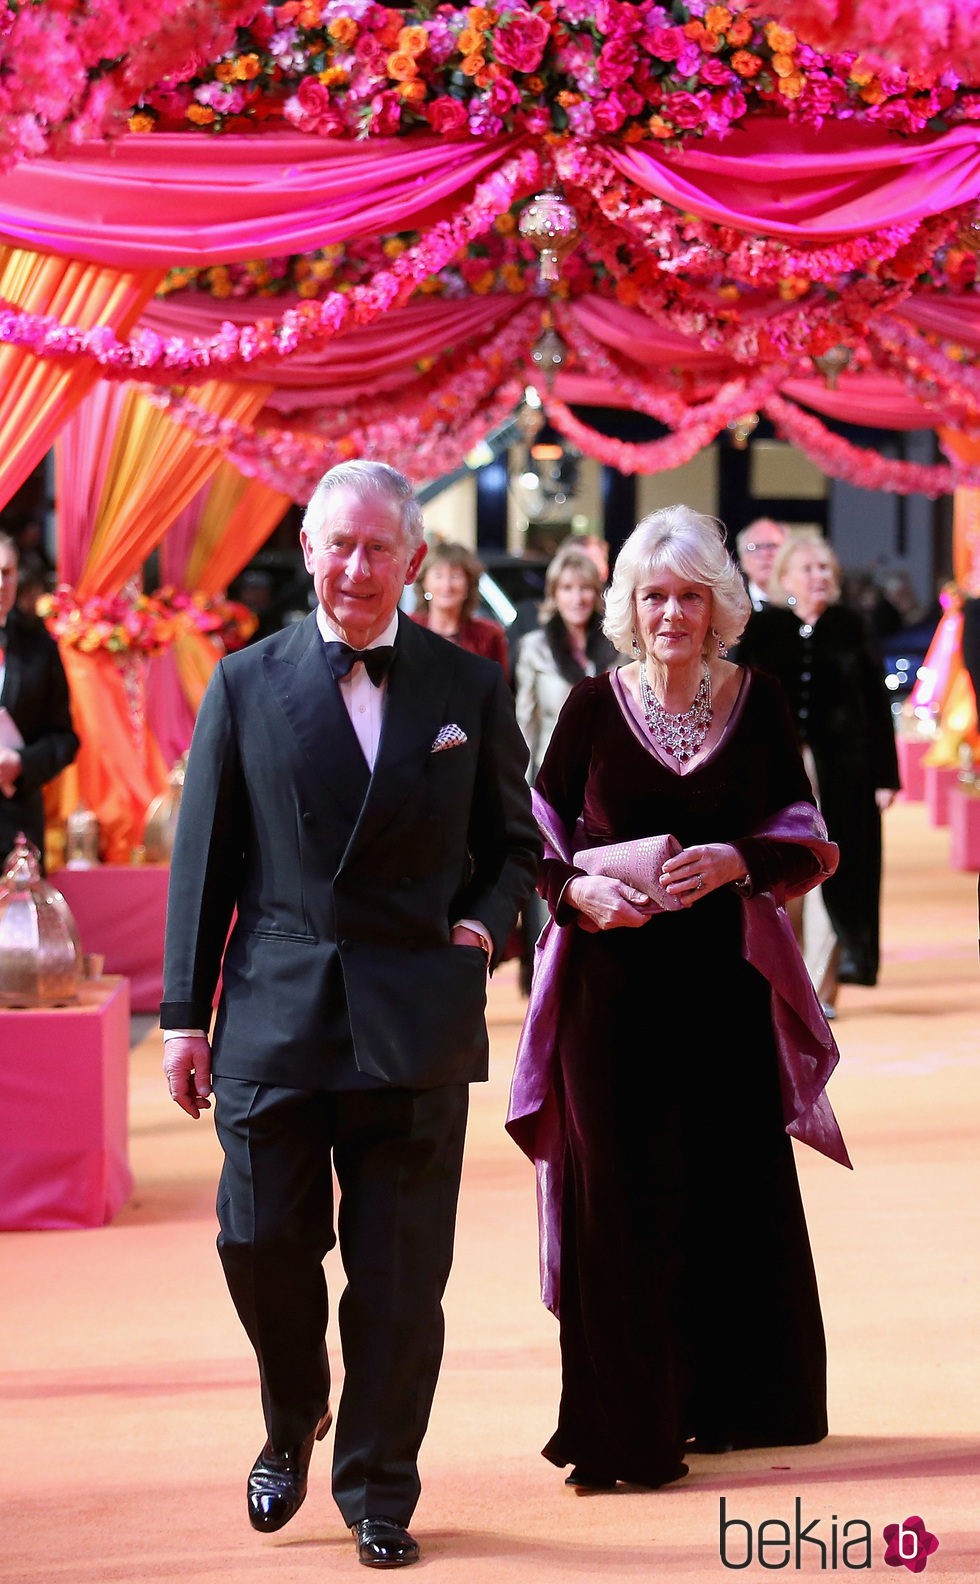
(909, 1544)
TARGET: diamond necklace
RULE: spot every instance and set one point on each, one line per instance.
(681, 736)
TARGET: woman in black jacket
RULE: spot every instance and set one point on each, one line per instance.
(821, 652)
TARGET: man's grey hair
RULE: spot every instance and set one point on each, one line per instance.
(366, 478)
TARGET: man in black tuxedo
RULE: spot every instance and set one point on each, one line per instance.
(37, 738)
(365, 820)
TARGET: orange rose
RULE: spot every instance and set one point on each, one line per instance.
(481, 17)
(307, 288)
(412, 92)
(739, 33)
(534, 83)
(141, 122)
(431, 286)
(470, 41)
(874, 93)
(633, 134)
(861, 74)
(717, 18)
(488, 75)
(513, 278)
(225, 71)
(566, 98)
(309, 14)
(745, 64)
(627, 292)
(200, 115)
(780, 40)
(401, 67)
(783, 65)
(413, 41)
(505, 224)
(729, 293)
(471, 65)
(659, 127)
(343, 30)
(332, 76)
(484, 283)
(696, 32)
(792, 86)
(249, 67)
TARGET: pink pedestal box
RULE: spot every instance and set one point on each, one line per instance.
(121, 911)
(964, 830)
(940, 781)
(64, 1093)
(911, 752)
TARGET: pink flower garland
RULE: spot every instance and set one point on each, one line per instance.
(927, 38)
(933, 375)
(857, 465)
(310, 325)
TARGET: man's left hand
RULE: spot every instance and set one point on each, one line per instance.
(462, 935)
(10, 768)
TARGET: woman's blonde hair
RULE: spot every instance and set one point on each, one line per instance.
(569, 558)
(691, 546)
(800, 539)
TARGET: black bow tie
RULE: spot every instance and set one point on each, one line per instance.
(377, 662)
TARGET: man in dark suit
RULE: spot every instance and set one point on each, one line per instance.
(367, 816)
(37, 738)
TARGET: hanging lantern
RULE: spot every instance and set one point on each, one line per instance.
(40, 957)
(549, 353)
(550, 224)
(833, 362)
(742, 429)
(161, 817)
(530, 422)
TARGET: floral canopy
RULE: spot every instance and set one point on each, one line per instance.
(332, 200)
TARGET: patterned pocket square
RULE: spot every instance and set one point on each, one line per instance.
(448, 737)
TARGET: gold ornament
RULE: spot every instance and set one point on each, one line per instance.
(81, 838)
(550, 224)
(833, 362)
(40, 956)
(161, 817)
(742, 429)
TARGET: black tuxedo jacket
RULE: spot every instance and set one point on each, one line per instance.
(35, 692)
(344, 885)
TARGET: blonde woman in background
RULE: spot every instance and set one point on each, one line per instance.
(833, 677)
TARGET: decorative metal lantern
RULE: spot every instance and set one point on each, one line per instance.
(40, 957)
(550, 224)
(742, 429)
(161, 817)
(549, 353)
(833, 362)
(81, 839)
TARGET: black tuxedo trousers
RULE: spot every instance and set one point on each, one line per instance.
(398, 1156)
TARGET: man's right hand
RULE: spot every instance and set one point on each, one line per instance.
(187, 1064)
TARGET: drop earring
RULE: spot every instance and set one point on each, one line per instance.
(722, 646)
(636, 646)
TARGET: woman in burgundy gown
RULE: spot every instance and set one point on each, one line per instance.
(688, 1303)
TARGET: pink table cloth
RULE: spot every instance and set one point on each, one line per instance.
(121, 912)
(64, 1096)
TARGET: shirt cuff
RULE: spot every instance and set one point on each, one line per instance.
(183, 1034)
(478, 929)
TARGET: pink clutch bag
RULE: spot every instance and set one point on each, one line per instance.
(638, 863)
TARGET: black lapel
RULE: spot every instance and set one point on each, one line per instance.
(415, 706)
(14, 672)
(308, 696)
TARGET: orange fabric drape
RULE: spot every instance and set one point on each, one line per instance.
(155, 469)
(239, 516)
(38, 394)
(958, 709)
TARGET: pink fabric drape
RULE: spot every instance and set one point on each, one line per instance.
(788, 181)
(170, 199)
(81, 460)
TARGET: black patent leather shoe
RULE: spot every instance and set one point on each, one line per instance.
(277, 1481)
(383, 1543)
(583, 1478)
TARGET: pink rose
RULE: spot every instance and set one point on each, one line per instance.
(520, 42)
(665, 43)
(447, 114)
(715, 72)
(501, 97)
(386, 114)
(609, 114)
(633, 103)
(616, 61)
(686, 110)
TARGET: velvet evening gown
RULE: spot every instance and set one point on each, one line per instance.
(688, 1300)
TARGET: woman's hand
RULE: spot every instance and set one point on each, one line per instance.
(691, 874)
(607, 903)
(885, 797)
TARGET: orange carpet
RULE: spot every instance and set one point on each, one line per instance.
(130, 1413)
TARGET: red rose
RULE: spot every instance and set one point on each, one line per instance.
(447, 114)
(386, 114)
(616, 62)
(536, 121)
(686, 110)
(665, 43)
(609, 114)
(520, 42)
(313, 96)
(502, 97)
